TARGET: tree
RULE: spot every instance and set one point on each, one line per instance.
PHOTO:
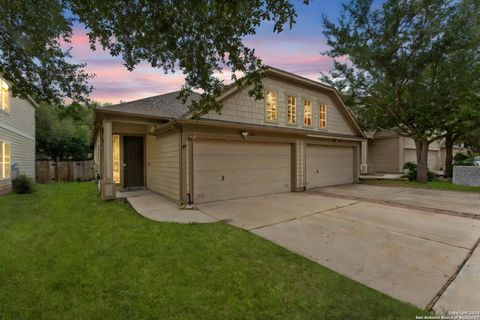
(63, 132)
(395, 56)
(199, 38)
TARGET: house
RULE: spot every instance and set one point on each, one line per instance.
(300, 136)
(17, 137)
(389, 151)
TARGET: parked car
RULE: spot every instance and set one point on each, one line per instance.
(476, 160)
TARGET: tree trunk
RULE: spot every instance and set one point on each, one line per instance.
(448, 170)
(422, 160)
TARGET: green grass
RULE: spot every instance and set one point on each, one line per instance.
(438, 185)
(64, 254)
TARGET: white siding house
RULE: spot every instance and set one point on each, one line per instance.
(17, 137)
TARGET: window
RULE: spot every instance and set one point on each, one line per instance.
(116, 158)
(307, 113)
(292, 110)
(271, 106)
(322, 118)
(4, 95)
(4, 160)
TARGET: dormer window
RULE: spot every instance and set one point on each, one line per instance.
(322, 116)
(4, 96)
(271, 106)
(307, 113)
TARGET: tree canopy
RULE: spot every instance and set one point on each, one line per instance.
(402, 65)
(198, 38)
(63, 132)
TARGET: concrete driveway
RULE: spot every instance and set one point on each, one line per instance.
(408, 254)
(456, 202)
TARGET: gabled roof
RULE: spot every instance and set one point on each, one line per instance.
(162, 106)
(167, 105)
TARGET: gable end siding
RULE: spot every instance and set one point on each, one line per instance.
(240, 107)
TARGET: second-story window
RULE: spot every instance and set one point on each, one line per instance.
(271, 106)
(307, 113)
(322, 116)
(292, 110)
(4, 96)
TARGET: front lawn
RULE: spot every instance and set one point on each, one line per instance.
(438, 185)
(64, 254)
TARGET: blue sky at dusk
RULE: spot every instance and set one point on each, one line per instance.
(297, 50)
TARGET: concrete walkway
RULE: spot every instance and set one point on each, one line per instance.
(408, 254)
(156, 207)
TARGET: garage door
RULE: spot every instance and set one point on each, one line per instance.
(229, 169)
(433, 158)
(328, 166)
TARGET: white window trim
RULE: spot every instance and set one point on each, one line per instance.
(266, 106)
(287, 96)
(303, 113)
(326, 116)
(10, 163)
(5, 110)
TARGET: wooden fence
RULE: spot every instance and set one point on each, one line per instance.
(47, 171)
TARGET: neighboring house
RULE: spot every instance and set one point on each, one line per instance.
(17, 137)
(388, 152)
(300, 136)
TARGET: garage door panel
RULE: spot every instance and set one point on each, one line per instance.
(328, 166)
(229, 169)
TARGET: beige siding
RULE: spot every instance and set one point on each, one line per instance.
(434, 158)
(328, 166)
(240, 107)
(410, 144)
(384, 155)
(128, 128)
(163, 164)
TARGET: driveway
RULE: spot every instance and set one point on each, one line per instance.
(453, 201)
(408, 254)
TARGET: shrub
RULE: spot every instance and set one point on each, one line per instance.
(462, 159)
(412, 172)
(22, 184)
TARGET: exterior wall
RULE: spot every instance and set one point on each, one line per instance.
(17, 127)
(163, 164)
(298, 142)
(466, 175)
(384, 155)
(240, 107)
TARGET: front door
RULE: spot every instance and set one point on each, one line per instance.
(133, 161)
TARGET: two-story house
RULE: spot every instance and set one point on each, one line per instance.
(17, 137)
(301, 136)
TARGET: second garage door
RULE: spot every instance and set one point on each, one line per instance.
(328, 166)
(235, 169)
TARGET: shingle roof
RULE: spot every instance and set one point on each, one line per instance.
(165, 105)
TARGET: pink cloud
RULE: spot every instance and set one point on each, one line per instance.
(113, 82)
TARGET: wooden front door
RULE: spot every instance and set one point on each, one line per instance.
(133, 161)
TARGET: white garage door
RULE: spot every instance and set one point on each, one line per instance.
(328, 166)
(229, 169)
(433, 158)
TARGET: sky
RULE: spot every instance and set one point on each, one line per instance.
(298, 50)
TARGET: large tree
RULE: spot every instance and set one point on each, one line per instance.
(63, 132)
(395, 54)
(199, 38)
